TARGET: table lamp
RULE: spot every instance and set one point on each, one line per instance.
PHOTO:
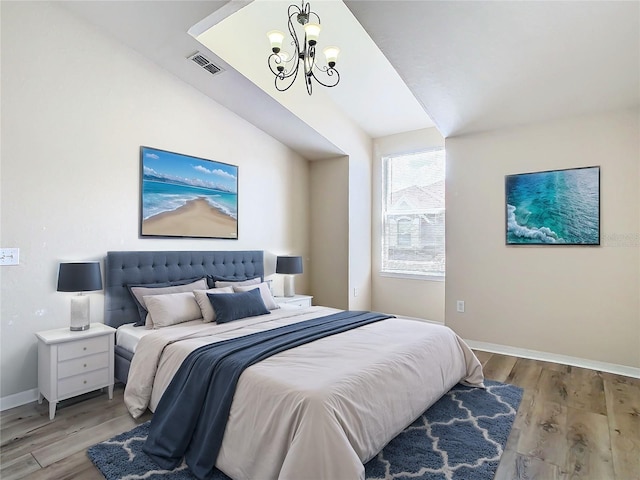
(289, 266)
(79, 277)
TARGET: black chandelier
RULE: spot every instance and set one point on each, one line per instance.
(285, 66)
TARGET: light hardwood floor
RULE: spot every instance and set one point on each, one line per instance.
(572, 424)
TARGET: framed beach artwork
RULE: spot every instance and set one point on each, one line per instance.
(185, 196)
(556, 207)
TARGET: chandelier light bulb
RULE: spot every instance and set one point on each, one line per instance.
(275, 37)
(312, 31)
(331, 54)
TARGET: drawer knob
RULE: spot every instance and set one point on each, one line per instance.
(85, 365)
(84, 348)
(84, 381)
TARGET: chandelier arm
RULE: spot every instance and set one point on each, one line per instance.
(284, 78)
(330, 72)
(290, 81)
(296, 10)
(309, 58)
(306, 9)
(314, 14)
(294, 35)
(308, 83)
(275, 60)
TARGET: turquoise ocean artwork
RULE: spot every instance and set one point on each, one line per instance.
(559, 207)
(185, 196)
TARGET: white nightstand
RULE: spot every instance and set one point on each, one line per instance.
(296, 300)
(73, 363)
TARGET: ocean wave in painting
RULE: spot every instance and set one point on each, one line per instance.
(554, 207)
(542, 234)
(162, 197)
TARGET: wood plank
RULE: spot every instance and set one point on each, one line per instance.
(624, 394)
(67, 422)
(18, 467)
(73, 467)
(506, 467)
(623, 415)
(544, 433)
(615, 378)
(554, 386)
(522, 467)
(553, 366)
(525, 373)
(83, 439)
(498, 367)
(586, 390)
(589, 446)
(525, 410)
(23, 419)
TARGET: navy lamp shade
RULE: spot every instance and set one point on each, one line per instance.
(79, 277)
(289, 266)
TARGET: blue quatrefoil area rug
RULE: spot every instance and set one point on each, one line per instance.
(460, 437)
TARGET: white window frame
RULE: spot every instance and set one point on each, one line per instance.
(383, 236)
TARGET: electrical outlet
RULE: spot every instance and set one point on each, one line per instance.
(355, 292)
(9, 256)
(460, 306)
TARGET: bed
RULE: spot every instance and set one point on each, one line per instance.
(320, 410)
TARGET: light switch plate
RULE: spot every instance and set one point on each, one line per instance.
(9, 256)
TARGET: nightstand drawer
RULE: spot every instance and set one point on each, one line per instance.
(303, 301)
(67, 351)
(83, 365)
(300, 303)
(84, 382)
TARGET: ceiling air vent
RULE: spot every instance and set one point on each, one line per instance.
(205, 63)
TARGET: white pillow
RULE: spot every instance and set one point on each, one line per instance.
(208, 313)
(172, 308)
(265, 293)
(241, 283)
(141, 292)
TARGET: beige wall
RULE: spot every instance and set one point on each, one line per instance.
(76, 106)
(576, 301)
(414, 297)
(329, 232)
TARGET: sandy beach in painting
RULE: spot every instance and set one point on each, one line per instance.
(197, 218)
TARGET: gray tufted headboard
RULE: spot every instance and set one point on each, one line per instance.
(123, 268)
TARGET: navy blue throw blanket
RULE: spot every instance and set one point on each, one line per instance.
(192, 414)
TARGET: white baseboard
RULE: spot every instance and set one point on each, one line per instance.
(17, 399)
(556, 358)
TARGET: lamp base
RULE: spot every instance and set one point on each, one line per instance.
(80, 313)
(289, 286)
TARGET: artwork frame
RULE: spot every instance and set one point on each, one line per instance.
(184, 196)
(553, 207)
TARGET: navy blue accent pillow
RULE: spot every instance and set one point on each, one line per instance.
(212, 279)
(142, 312)
(234, 306)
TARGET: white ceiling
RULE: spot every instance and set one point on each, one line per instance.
(472, 66)
(370, 91)
(490, 64)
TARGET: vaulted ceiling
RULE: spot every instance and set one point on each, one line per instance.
(463, 66)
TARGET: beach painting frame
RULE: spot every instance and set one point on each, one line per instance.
(186, 196)
(554, 207)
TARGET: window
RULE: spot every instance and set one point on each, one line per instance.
(413, 214)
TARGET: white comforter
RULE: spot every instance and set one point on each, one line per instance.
(321, 410)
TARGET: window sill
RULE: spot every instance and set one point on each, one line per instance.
(413, 276)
